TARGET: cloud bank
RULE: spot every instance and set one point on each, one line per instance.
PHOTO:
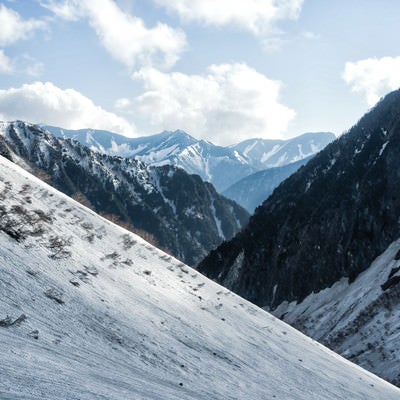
(230, 103)
(125, 37)
(46, 103)
(373, 77)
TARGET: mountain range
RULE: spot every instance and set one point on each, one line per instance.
(222, 166)
(320, 229)
(178, 211)
(89, 310)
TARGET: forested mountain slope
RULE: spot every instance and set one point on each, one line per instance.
(178, 211)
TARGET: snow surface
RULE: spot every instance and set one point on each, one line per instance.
(108, 316)
(360, 320)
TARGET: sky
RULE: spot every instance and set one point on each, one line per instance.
(222, 70)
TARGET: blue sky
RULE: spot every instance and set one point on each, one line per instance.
(223, 70)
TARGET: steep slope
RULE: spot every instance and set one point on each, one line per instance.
(327, 221)
(89, 311)
(360, 320)
(182, 213)
(222, 166)
(252, 190)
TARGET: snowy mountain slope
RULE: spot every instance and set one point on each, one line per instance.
(222, 166)
(252, 190)
(182, 213)
(327, 221)
(264, 153)
(150, 149)
(360, 320)
(91, 311)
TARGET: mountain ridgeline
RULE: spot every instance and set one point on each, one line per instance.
(327, 221)
(180, 212)
(222, 166)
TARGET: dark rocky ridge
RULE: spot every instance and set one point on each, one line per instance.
(180, 212)
(327, 221)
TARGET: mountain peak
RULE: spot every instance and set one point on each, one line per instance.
(177, 136)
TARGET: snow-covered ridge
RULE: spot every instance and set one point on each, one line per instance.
(27, 135)
(89, 310)
(222, 166)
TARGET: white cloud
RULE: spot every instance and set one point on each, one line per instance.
(373, 77)
(5, 63)
(256, 16)
(124, 36)
(229, 103)
(46, 103)
(14, 28)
